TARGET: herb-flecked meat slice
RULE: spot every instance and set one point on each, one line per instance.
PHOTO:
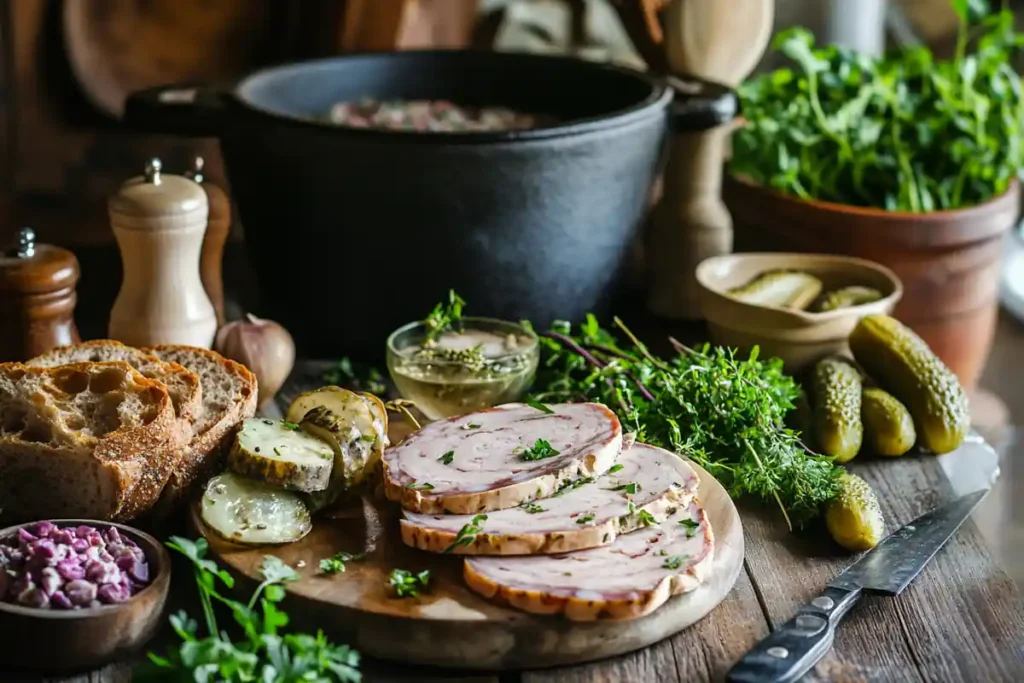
(513, 454)
(627, 579)
(644, 479)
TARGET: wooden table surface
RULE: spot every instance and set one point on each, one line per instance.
(961, 620)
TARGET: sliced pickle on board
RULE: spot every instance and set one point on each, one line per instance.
(249, 512)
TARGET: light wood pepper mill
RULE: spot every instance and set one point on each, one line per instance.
(37, 298)
(159, 221)
(218, 225)
(718, 41)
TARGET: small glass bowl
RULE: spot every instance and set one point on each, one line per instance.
(447, 388)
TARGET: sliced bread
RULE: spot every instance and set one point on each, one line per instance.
(83, 440)
(229, 397)
(183, 385)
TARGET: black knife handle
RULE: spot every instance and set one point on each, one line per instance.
(794, 648)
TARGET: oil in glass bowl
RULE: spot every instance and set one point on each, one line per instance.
(483, 363)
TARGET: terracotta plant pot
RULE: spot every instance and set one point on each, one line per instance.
(949, 261)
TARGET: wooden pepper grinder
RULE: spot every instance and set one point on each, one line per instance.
(159, 221)
(37, 298)
(690, 223)
(218, 225)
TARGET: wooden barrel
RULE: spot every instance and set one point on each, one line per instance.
(949, 261)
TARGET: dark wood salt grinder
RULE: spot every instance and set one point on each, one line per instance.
(217, 227)
(37, 298)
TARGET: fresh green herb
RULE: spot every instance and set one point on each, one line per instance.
(630, 508)
(472, 426)
(646, 518)
(409, 585)
(585, 519)
(277, 452)
(447, 457)
(533, 508)
(445, 317)
(336, 564)
(663, 552)
(572, 484)
(425, 486)
(674, 562)
(905, 132)
(723, 412)
(345, 375)
(539, 406)
(631, 488)
(541, 449)
(691, 527)
(289, 425)
(263, 654)
(615, 468)
(467, 534)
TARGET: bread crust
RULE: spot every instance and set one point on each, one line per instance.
(133, 461)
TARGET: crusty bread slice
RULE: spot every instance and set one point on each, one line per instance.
(85, 440)
(183, 385)
(229, 397)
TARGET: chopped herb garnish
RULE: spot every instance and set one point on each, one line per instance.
(445, 317)
(533, 508)
(615, 468)
(541, 449)
(289, 425)
(630, 508)
(471, 426)
(447, 457)
(407, 584)
(539, 406)
(646, 518)
(425, 486)
(277, 452)
(674, 562)
(336, 564)
(663, 552)
(631, 488)
(467, 534)
(691, 527)
(585, 519)
(572, 484)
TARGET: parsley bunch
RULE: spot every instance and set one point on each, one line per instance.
(264, 655)
(906, 132)
(723, 412)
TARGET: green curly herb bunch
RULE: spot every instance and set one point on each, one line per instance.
(907, 132)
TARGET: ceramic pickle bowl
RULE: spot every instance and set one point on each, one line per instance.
(57, 641)
(799, 338)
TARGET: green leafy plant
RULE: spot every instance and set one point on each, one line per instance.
(724, 412)
(445, 317)
(407, 584)
(345, 374)
(906, 132)
(264, 654)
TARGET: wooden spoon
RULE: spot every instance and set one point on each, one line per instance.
(717, 40)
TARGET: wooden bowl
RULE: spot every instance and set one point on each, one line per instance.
(63, 641)
(797, 337)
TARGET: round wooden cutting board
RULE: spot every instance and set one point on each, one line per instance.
(452, 626)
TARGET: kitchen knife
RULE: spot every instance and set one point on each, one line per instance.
(793, 649)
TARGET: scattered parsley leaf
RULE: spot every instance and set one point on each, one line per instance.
(631, 488)
(467, 533)
(425, 486)
(407, 584)
(471, 426)
(691, 527)
(336, 564)
(289, 425)
(571, 485)
(533, 508)
(541, 449)
(539, 406)
(445, 317)
(447, 457)
(646, 518)
(585, 519)
(674, 562)
(615, 468)
(277, 452)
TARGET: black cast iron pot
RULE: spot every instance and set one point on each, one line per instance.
(355, 232)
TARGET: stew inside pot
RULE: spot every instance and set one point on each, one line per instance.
(430, 115)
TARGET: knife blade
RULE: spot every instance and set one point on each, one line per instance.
(794, 648)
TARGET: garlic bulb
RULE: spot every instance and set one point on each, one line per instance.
(264, 347)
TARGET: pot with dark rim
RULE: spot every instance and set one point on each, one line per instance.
(353, 232)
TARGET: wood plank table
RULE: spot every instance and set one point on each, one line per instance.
(962, 620)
